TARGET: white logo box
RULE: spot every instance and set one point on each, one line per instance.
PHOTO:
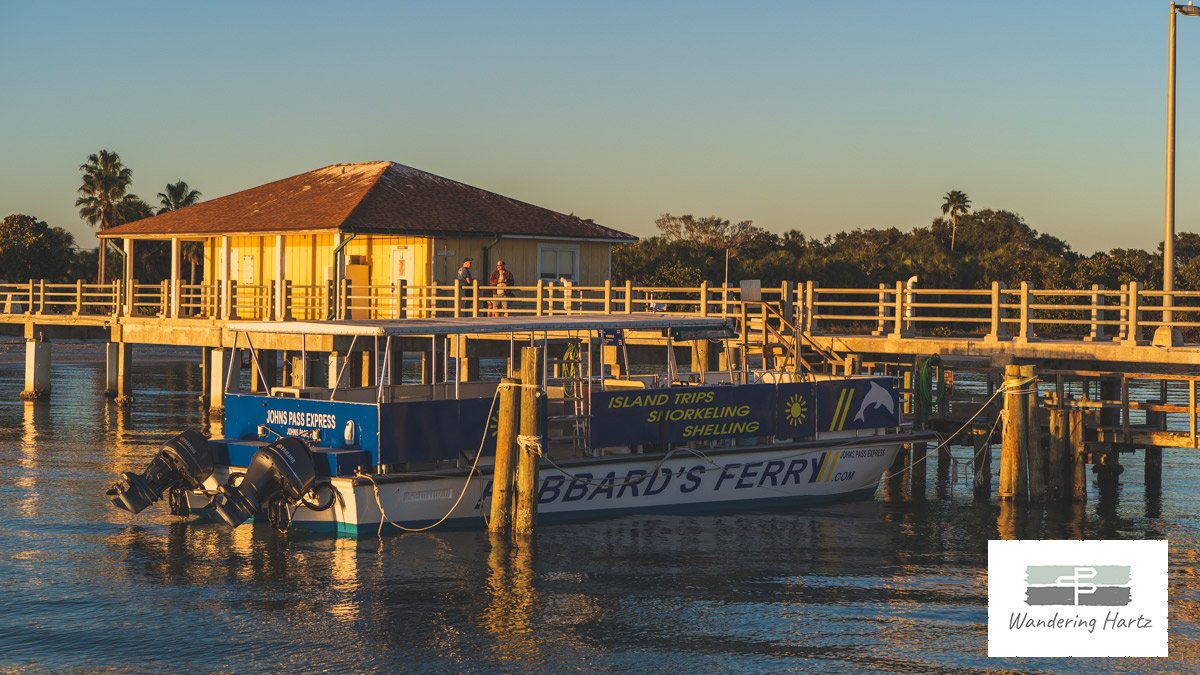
(1077, 598)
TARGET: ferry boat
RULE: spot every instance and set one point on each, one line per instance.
(399, 457)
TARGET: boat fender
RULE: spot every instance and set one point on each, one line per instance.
(283, 470)
(184, 462)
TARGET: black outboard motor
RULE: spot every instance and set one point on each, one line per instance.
(283, 469)
(183, 462)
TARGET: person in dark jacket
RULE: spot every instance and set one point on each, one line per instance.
(465, 281)
(501, 278)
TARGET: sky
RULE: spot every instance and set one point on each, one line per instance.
(816, 116)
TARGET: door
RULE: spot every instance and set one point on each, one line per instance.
(402, 270)
(247, 295)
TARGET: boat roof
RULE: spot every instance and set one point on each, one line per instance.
(476, 325)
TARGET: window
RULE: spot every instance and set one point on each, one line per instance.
(558, 261)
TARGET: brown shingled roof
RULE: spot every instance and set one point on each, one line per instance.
(375, 197)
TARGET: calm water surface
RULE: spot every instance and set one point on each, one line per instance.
(850, 588)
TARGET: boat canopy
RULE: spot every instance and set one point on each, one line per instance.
(687, 327)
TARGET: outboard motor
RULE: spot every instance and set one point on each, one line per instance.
(183, 462)
(283, 470)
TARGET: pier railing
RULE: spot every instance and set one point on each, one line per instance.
(1128, 314)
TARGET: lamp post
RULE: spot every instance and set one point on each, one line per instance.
(1167, 335)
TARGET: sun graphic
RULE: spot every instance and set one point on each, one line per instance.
(494, 424)
(797, 410)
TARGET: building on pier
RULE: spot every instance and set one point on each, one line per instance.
(373, 226)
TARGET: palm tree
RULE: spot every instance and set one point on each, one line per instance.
(177, 196)
(955, 204)
(104, 186)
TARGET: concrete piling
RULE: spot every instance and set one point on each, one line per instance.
(37, 370)
(124, 397)
(220, 374)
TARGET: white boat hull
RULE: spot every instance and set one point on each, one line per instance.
(685, 481)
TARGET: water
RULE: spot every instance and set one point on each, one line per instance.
(850, 588)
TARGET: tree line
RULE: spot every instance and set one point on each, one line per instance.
(32, 249)
(964, 249)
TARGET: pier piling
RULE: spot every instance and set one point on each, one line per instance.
(530, 441)
(918, 471)
(1078, 455)
(1034, 456)
(1015, 435)
(981, 435)
(112, 368)
(124, 393)
(37, 370)
(506, 453)
(1059, 459)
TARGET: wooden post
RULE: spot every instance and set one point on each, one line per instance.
(78, 297)
(1078, 455)
(918, 471)
(538, 295)
(980, 434)
(457, 298)
(608, 296)
(1014, 437)
(628, 296)
(1059, 460)
(1156, 420)
(531, 430)
(506, 448)
(475, 298)
(1035, 455)
(893, 477)
(704, 298)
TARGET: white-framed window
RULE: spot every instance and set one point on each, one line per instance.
(558, 261)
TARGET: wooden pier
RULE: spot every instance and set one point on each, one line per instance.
(1115, 376)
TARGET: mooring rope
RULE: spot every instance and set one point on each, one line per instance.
(383, 517)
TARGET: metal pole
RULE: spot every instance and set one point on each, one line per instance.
(1169, 220)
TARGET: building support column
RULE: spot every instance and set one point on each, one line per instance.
(282, 301)
(225, 276)
(176, 261)
(37, 370)
(128, 276)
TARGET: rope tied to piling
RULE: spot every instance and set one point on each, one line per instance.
(530, 443)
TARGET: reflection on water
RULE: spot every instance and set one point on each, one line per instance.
(854, 587)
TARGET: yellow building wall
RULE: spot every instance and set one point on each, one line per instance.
(308, 258)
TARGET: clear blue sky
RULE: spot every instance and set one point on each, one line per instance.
(820, 116)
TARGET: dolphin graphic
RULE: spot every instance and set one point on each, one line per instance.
(876, 396)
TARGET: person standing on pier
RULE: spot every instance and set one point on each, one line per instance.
(501, 278)
(465, 280)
